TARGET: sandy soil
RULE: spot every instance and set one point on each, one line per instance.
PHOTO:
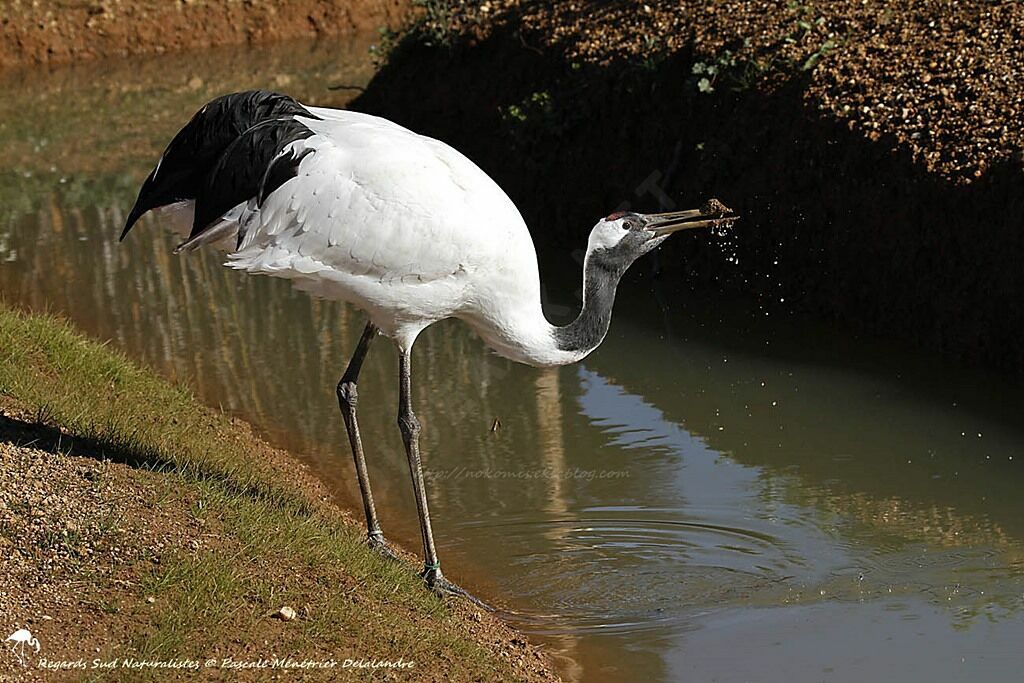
(55, 31)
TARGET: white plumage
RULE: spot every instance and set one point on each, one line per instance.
(398, 224)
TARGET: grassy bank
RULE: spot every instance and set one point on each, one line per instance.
(137, 523)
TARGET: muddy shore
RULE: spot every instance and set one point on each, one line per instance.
(55, 32)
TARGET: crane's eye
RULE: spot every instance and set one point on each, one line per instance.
(628, 225)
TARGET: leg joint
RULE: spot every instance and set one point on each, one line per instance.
(409, 425)
(348, 396)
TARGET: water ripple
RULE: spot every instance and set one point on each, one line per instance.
(627, 573)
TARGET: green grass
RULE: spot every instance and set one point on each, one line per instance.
(276, 545)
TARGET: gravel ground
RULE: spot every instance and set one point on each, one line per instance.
(941, 78)
(75, 534)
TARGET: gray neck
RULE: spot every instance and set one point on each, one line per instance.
(601, 276)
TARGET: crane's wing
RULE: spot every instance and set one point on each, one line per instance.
(308, 189)
(368, 198)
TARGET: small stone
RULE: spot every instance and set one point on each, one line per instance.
(150, 599)
(286, 613)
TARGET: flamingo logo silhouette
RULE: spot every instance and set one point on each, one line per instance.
(18, 640)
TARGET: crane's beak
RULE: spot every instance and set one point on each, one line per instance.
(713, 214)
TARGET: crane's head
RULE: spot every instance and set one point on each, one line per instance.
(621, 238)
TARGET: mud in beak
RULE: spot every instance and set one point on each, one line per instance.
(713, 214)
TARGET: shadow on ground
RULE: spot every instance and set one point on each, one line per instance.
(40, 435)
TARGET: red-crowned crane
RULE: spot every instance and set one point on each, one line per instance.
(356, 208)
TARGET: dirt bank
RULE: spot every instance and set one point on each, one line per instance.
(936, 78)
(56, 31)
(904, 225)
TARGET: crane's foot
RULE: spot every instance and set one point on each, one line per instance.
(442, 587)
(377, 542)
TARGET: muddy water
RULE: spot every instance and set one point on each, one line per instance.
(710, 496)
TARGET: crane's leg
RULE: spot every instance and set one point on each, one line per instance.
(409, 425)
(348, 398)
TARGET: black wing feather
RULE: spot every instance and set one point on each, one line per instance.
(243, 167)
(186, 164)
